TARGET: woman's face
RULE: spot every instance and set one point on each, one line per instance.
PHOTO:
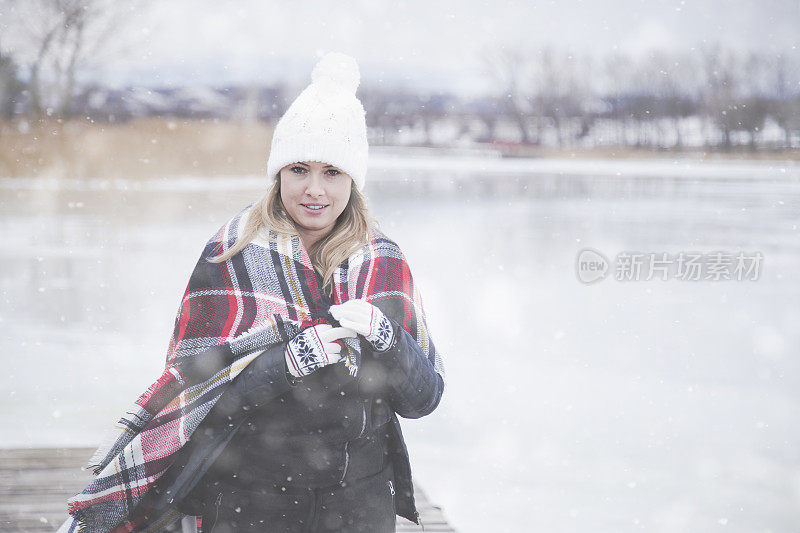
(314, 194)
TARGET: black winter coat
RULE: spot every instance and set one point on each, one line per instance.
(403, 376)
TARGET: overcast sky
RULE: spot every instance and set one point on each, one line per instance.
(428, 43)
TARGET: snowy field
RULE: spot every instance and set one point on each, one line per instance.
(616, 406)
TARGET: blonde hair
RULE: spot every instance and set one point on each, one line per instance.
(353, 230)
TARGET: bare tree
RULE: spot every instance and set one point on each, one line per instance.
(57, 38)
(785, 106)
(10, 86)
(620, 75)
(754, 105)
(561, 88)
(719, 70)
(509, 71)
(667, 79)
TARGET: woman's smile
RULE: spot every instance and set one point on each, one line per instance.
(314, 194)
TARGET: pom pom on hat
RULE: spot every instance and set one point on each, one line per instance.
(325, 123)
(337, 69)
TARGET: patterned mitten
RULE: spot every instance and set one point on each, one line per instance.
(315, 347)
(366, 319)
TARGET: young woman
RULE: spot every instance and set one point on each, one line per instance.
(300, 338)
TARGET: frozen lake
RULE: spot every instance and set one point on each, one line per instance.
(615, 406)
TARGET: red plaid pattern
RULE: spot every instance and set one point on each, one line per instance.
(264, 295)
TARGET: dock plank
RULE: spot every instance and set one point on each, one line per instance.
(36, 482)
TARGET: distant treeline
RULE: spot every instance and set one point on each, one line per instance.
(709, 98)
(705, 97)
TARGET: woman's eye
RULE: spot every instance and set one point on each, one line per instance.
(298, 170)
(333, 172)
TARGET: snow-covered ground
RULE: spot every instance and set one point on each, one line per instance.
(616, 406)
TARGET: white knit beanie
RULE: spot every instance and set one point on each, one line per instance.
(326, 123)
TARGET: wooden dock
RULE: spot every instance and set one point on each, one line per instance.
(36, 482)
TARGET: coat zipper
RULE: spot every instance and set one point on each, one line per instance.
(216, 514)
(363, 421)
(361, 434)
(346, 461)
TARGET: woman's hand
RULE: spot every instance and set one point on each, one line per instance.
(314, 348)
(366, 319)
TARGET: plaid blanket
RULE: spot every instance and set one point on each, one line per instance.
(229, 314)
